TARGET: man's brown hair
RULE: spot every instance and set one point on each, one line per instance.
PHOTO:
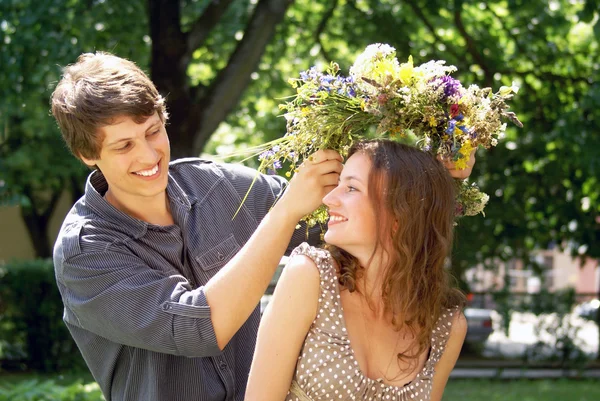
(94, 91)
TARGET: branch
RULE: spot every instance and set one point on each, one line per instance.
(321, 28)
(471, 46)
(417, 10)
(230, 83)
(203, 25)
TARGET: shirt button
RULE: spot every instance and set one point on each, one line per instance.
(220, 256)
(222, 366)
(166, 306)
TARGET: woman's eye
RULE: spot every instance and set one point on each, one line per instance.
(351, 188)
(124, 147)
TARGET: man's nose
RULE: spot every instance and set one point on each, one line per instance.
(147, 153)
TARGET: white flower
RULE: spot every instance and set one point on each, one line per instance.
(368, 65)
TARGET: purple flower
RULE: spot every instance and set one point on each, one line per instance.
(451, 126)
(276, 164)
(351, 91)
(451, 86)
(266, 154)
(327, 79)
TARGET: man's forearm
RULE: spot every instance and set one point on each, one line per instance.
(234, 292)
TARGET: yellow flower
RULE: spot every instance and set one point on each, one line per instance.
(461, 163)
(466, 148)
(305, 111)
(432, 121)
(406, 70)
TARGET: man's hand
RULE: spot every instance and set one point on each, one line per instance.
(456, 173)
(315, 178)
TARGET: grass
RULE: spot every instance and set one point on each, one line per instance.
(522, 390)
(457, 389)
(47, 387)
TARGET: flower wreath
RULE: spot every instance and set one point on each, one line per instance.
(381, 98)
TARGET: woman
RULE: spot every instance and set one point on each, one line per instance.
(372, 316)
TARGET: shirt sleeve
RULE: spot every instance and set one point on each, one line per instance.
(115, 295)
(264, 191)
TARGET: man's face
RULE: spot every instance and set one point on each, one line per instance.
(134, 159)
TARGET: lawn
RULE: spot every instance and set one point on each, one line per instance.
(522, 390)
(82, 387)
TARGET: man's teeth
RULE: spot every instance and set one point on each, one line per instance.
(337, 218)
(148, 173)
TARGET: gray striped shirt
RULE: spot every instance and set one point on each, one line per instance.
(133, 291)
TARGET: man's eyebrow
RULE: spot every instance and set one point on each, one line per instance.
(154, 125)
(119, 140)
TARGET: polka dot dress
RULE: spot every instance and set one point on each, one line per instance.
(327, 369)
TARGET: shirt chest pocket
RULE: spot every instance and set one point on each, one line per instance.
(219, 254)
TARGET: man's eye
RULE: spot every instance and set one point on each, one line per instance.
(154, 133)
(125, 147)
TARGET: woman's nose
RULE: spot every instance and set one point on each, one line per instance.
(331, 199)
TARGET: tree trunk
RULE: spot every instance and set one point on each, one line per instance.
(195, 113)
(37, 227)
(37, 216)
(228, 87)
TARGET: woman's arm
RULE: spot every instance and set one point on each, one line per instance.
(449, 357)
(283, 329)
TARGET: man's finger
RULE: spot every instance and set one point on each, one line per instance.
(329, 166)
(326, 154)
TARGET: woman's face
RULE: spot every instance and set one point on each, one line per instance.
(352, 223)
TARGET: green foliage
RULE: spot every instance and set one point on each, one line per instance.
(34, 335)
(543, 178)
(38, 38)
(49, 390)
(524, 390)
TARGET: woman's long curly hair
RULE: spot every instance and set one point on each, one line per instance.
(414, 199)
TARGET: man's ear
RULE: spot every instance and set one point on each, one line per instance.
(91, 163)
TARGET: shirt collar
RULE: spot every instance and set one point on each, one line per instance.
(96, 186)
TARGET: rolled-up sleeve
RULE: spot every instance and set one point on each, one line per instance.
(116, 296)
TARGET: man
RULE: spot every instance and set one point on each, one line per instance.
(160, 283)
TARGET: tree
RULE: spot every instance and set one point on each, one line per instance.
(37, 39)
(197, 110)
